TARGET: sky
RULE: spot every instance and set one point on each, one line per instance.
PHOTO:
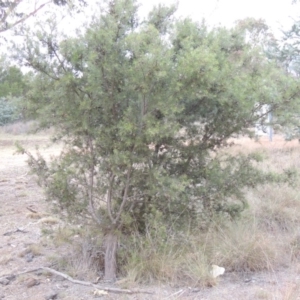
(277, 13)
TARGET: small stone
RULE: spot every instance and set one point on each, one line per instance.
(51, 296)
(29, 257)
(11, 277)
(39, 272)
(58, 278)
(32, 282)
(4, 281)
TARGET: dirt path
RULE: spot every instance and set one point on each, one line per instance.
(24, 247)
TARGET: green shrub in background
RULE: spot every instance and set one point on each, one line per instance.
(8, 112)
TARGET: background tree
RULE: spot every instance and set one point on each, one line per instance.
(12, 89)
(12, 80)
(285, 53)
(257, 32)
(142, 109)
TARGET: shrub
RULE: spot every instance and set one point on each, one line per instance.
(8, 112)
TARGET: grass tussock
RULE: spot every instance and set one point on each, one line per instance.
(34, 216)
(187, 260)
(241, 247)
(36, 249)
(49, 220)
(276, 208)
(66, 235)
(171, 260)
(83, 261)
(82, 255)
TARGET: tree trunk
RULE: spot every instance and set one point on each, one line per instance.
(110, 263)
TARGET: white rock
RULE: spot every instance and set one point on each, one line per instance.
(217, 271)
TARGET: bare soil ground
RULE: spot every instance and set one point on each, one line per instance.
(23, 246)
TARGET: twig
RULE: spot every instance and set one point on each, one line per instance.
(178, 293)
(124, 200)
(108, 203)
(86, 283)
(31, 209)
(24, 18)
(91, 184)
(24, 175)
(14, 231)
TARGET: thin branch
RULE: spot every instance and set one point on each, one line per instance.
(91, 184)
(57, 56)
(24, 18)
(36, 66)
(111, 181)
(124, 200)
(86, 283)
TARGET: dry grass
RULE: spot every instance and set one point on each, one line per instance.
(264, 239)
(291, 291)
(34, 249)
(83, 260)
(9, 139)
(169, 261)
(295, 247)
(242, 247)
(66, 234)
(81, 255)
(5, 258)
(247, 145)
(276, 208)
(20, 132)
(263, 294)
(21, 128)
(239, 247)
(49, 220)
(21, 195)
(18, 128)
(34, 216)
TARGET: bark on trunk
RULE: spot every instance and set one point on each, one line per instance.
(110, 264)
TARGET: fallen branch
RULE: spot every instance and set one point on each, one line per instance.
(86, 283)
(32, 209)
(14, 231)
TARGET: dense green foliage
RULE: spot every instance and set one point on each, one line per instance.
(12, 88)
(12, 82)
(143, 109)
(7, 112)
